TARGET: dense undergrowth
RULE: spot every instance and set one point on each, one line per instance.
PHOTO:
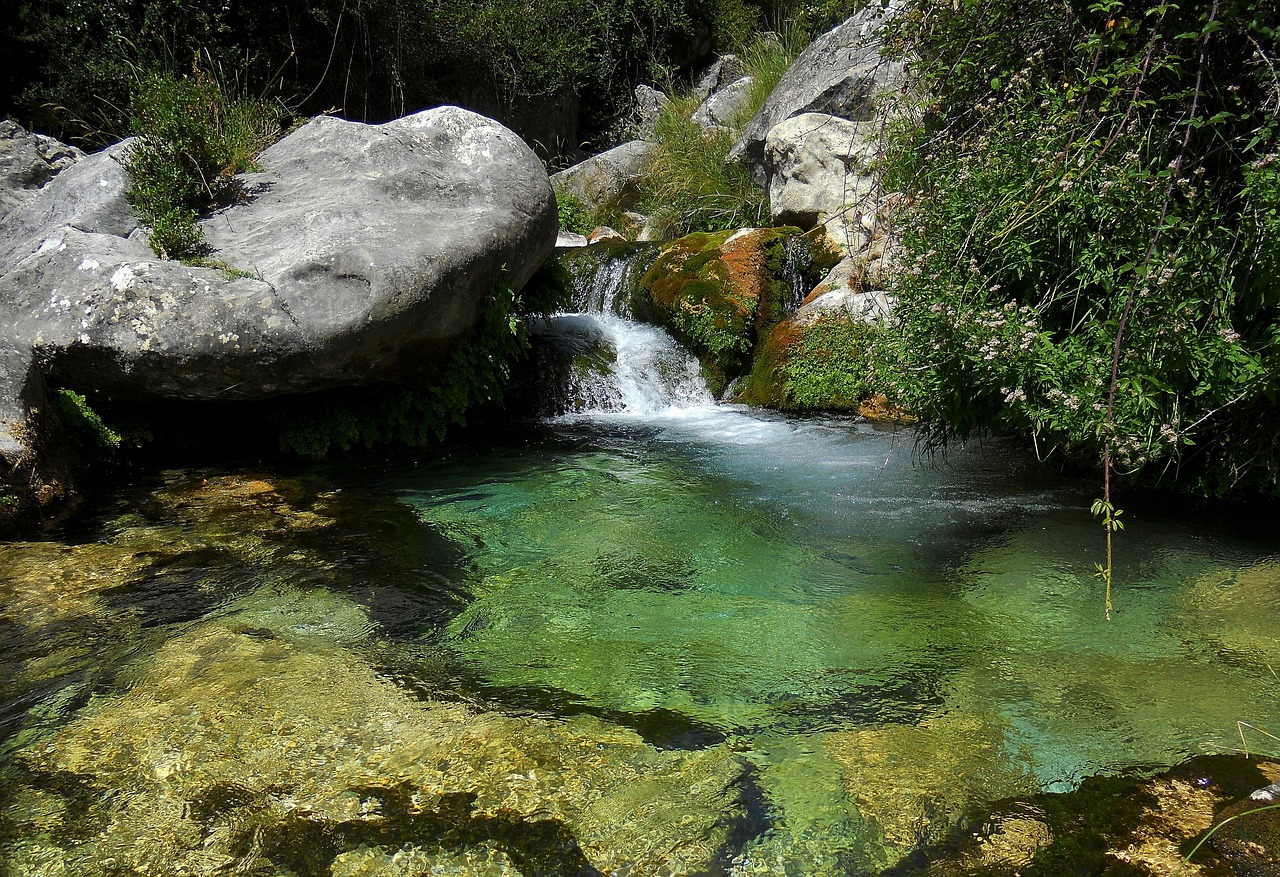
(1091, 246)
(543, 68)
(689, 184)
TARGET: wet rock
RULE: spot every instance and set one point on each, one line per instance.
(707, 290)
(608, 180)
(571, 359)
(1141, 827)
(363, 253)
(1249, 836)
(841, 73)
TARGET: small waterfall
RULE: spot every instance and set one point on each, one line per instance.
(601, 361)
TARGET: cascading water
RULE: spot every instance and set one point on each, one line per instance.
(610, 364)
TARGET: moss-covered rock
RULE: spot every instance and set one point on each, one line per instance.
(812, 365)
(722, 293)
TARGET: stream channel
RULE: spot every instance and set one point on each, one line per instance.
(656, 635)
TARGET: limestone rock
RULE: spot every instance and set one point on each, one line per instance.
(821, 170)
(28, 161)
(569, 239)
(362, 253)
(842, 73)
(841, 293)
(607, 179)
(724, 104)
(721, 72)
(605, 234)
(649, 104)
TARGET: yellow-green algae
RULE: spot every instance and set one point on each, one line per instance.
(237, 747)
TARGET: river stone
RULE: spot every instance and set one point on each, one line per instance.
(608, 179)
(841, 73)
(362, 253)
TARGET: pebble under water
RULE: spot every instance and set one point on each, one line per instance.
(706, 643)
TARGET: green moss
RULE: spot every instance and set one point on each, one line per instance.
(84, 423)
(693, 296)
(722, 302)
(818, 367)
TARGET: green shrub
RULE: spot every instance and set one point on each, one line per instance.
(573, 214)
(193, 139)
(1090, 251)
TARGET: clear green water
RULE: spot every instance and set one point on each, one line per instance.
(706, 642)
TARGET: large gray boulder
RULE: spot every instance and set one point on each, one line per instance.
(609, 179)
(362, 253)
(842, 73)
(28, 161)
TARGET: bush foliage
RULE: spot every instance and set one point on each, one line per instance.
(1091, 244)
(193, 139)
(369, 60)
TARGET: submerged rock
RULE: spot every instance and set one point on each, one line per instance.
(1126, 825)
(913, 784)
(361, 253)
(242, 746)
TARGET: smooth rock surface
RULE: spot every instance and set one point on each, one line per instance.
(608, 178)
(362, 253)
(842, 73)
